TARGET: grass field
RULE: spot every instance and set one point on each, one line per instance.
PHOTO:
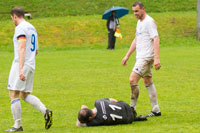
(66, 79)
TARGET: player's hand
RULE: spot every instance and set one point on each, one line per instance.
(21, 76)
(113, 100)
(157, 64)
(84, 107)
(124, 60)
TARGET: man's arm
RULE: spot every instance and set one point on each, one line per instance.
(36, 52)
(37, 47)
(108, 23)
(156, 52)
(118, 25)
(130, 51)
(21, 52)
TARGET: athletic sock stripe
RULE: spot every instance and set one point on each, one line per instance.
(134, 85)
(132, 98)
(149, 85)
(15, 100)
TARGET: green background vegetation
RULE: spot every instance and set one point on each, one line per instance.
(90, 31)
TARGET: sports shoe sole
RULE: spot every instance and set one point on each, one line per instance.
(14, 129)
(50, 121)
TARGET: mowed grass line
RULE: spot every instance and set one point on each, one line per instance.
(64, 80)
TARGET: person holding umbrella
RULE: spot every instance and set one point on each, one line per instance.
(112, 15)
(112, 25)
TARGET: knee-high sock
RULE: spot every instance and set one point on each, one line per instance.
(134, 95)
(33, 100)
(16, 112)
(153, 97)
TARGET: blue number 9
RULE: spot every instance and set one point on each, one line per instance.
(33, 42)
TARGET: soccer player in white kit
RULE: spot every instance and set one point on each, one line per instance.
(22, 71)
(147, 46)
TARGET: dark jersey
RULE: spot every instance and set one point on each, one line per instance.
(111, 113)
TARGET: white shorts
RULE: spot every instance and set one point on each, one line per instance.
(143, 67)
(14, 82)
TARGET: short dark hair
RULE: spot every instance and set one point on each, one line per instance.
(18, 11)
(84, 114)
(141, 5)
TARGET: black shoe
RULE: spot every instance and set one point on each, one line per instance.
(141, 118)
(13, 129)
(153, 114)
(48, 118)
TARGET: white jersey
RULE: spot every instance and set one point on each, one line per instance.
(146, 30)
(29, 32)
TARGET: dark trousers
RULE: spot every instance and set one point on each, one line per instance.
(111, 40)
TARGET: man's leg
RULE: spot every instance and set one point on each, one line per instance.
(152, 95)
(109, 40)
(113, 41)
(134, 79)
(16, 111)
(36, 103)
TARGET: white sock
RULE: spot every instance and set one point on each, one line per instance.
(33, 100)
(153, 97)
(16, 112)
(134, 95)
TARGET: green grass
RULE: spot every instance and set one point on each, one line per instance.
(49, 8)
(66, 79)
(90, 31)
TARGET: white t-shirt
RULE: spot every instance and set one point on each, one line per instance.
(28, 30)
(146, 30)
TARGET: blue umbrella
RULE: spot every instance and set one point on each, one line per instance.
(120, 12)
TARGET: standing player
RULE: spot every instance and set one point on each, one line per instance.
(22, 71)
(107, 112)
(146, 44)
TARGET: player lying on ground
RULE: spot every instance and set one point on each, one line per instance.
(107, 112)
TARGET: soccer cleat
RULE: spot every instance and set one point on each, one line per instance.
(13, 129)
(153, 114)
(48, 118)
(141, 118)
